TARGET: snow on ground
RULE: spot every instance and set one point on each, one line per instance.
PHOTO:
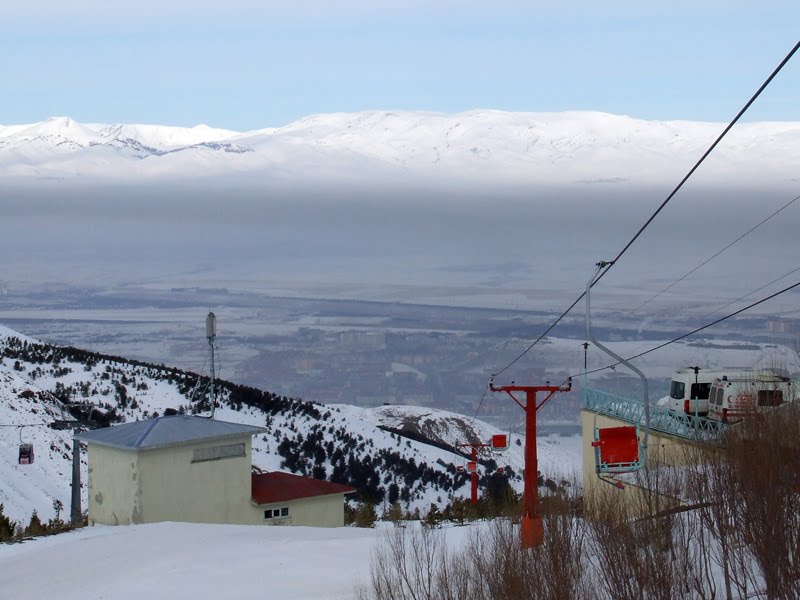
(181, 560)
(187, 560)
(24, 488)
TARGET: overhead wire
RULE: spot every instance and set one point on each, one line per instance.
(716, 254)
(661, 206)
(694, 331)
(758, 289)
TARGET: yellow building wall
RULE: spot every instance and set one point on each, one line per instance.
(320, 511)
(173, 488)
(114, 497)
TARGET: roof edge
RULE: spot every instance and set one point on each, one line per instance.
(227, 436)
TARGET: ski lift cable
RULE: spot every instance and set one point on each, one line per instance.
(483, 397)
(784, 276)
(705, 155)
(716, 254)
(694, 331)
(750, 293)
(662, 205)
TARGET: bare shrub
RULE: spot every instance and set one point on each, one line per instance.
(405, 565)
(641, 544)
(749, 504)
(416, 564)
(726, 526)
(763, 452)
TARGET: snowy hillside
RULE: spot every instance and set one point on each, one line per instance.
(39, 383)
(569, 147)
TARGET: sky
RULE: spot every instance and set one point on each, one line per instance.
(246, 64)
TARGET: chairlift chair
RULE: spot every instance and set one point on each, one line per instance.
(499, 442)
(617, 449)
(25, 451)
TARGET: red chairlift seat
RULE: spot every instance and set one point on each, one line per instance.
(26, 454)
(617, 450)
(499, 441)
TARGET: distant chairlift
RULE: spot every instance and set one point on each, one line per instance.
(617, 449)
(25, 451)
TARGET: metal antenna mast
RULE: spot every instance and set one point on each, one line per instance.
(211, 334)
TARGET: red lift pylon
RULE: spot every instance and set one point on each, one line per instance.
(499, 442)
(531, 530)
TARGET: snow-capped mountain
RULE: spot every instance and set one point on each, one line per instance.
(484, 145)
(367, 448)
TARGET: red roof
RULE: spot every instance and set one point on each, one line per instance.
(282, 487)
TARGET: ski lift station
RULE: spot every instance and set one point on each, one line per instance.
(622, 436)
(196, 469)
(613, 425)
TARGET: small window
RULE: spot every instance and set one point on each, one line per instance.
(700, 391)
(217, 452)
(714, 397)
(676, 390)
(770, 397)
(276, 513)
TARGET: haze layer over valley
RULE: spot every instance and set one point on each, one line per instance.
(122, 237)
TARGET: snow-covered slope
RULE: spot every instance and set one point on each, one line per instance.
(569, 147)
(40, 382)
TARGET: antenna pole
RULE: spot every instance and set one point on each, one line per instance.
(211, 334)
(75, 509)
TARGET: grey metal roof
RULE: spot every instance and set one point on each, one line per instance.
(165, 431)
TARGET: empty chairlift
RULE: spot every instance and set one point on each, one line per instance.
(25, 451)
(617, 449)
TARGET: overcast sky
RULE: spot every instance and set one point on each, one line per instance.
(248, 64)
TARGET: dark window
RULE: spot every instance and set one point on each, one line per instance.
(700, 391)
(276, 513)
(676, 390)
(770, 397)
(714, 397)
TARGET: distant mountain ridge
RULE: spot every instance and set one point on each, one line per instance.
(485, 145)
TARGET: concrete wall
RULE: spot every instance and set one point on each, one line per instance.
(173, 488)
(320, 511)
(114, 497)
(165, 485)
